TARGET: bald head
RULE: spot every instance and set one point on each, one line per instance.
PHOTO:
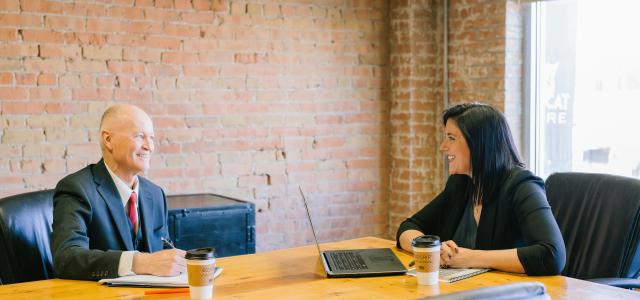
(121, 113)
(126, 139)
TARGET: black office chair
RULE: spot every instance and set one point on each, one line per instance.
(25, 232)
(599, 217)
(513, 291)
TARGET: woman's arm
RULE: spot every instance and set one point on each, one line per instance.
(407, 237)
(545, 254)
(504, 260)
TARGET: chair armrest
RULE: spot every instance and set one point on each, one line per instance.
(627, 283)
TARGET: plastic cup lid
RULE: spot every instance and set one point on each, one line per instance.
(200, 254)
(426, 241)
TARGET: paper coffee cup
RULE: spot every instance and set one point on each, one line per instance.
(201, 266)
(426, 252)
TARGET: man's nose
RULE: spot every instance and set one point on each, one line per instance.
(148, 144)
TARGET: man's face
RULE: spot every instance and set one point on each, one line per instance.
(131, 144)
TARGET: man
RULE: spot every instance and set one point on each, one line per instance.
(107, 220)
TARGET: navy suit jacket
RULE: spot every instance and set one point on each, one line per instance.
(91, 228)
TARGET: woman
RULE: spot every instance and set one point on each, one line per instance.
(492, 213)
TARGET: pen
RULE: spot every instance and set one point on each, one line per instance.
(167, 291)
(167, 242)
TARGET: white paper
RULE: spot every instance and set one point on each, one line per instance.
(153, 281)
(452, 275)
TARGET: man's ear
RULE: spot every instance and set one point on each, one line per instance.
(106, 139)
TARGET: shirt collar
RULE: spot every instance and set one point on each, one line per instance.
(123, 189)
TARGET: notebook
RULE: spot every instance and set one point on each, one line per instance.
(356, 262)
(153, 281)
(452, 275)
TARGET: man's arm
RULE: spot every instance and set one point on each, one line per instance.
(72, 258)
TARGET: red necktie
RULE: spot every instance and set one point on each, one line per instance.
(133, 216)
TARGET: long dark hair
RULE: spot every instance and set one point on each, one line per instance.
(493, 152)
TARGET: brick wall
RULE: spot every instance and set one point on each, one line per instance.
(416, 63)
(252, 98)
(484, 64)
(249, 99)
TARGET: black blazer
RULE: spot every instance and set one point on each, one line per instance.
(91, 228)
(520, 217)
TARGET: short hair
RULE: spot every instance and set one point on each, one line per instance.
(109, 113)
(493, 152)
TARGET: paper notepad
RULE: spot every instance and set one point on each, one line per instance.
(153, 281)
(453, 275)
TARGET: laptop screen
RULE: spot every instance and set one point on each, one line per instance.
(306, 207)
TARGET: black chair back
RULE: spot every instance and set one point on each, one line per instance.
(599, 217)
(25, 233)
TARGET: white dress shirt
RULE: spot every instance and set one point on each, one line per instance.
(126, 259)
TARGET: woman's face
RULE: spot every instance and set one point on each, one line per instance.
(455, 148)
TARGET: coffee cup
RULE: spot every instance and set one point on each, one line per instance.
(426, 251)
(201, 265)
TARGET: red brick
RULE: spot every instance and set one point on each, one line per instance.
(102, 53)
(48, 65)
(220, 5)
(42, 6)
(61, 22)
(10, 5)
(181, 30)
(59, 51)
(12, 50)
(203, 4)
(83, 9)
(125, 67)
(47, 93)
(162, 70)
(42, 36)
(132, 95)
(143, 27)
(162, 15)
(87, 66)
(8, 34)
(182, 4)
(21, 107)
(46, 79)
(65, 108)
(91, 94)
(198, 70)
(26, 79)
(164, 3)
(197, 17)
(126, 12)
(162, 42)
(105, 25)
(6, 78)
(21, 20)
(179, 58)
(84, 38)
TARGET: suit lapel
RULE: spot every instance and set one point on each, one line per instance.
(109, 193)
(145, 204)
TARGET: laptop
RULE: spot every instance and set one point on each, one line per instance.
(356, 262)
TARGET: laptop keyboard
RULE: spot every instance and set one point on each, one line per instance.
(348, 261)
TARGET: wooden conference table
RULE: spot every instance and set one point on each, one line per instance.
(297, 273)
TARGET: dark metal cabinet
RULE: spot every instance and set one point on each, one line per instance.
(210, 220)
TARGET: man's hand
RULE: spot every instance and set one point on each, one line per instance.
(168, 262)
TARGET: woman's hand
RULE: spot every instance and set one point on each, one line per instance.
(448, 250)
(456, 257)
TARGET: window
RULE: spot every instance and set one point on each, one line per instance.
(583, 86)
